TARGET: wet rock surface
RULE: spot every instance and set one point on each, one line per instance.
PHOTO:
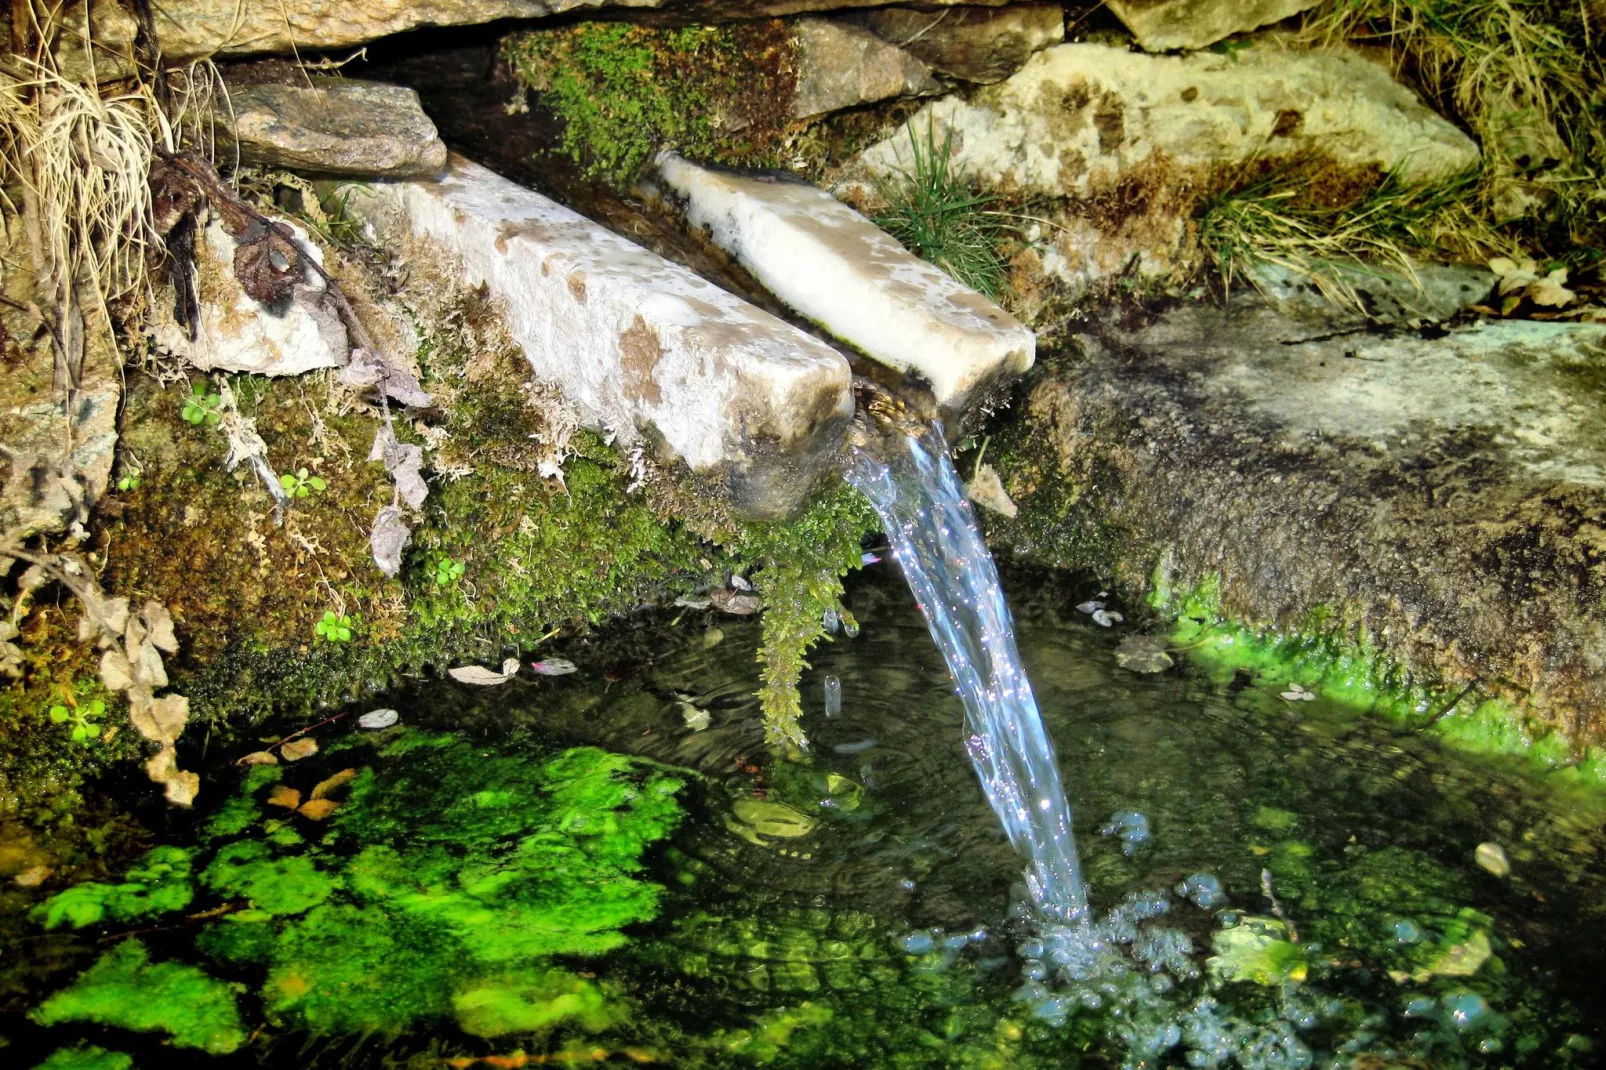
(1443, 496)
(971, 44)
(335, 127)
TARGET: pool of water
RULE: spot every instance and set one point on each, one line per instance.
(701, 905)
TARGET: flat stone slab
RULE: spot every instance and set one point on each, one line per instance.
(334, 127)
(852, 278)
(840, 65)
(972, 44)
(1163, 25)
(642, 347)
(1446, 495)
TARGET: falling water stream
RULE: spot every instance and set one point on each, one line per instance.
(922, 505)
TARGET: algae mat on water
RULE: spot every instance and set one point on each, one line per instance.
(426, 878)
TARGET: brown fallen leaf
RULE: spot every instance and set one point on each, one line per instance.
(32, 877)
(258, 757)
(297, 749)
(318, 809)
(334, 783)
(285, 796)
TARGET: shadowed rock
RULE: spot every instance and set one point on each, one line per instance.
(1162, 25)
(1445, 497)
(334, 127)
(971, 44)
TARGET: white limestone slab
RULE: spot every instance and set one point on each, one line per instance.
(852, 278)
(642, 347)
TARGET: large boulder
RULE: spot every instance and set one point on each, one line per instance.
(970, 44)
(333, 127)
(1162, 25)
(1129, 139)
(1444, 497)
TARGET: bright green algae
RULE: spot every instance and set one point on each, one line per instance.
(124, 988)
(157, 884)
(442, 887)
(1352, 673)
(87, 1058)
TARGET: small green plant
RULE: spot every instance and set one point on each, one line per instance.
(937, 217)
(446, 571)
(340, 225)
(299, 484)
(334, 627)
(201, 407)
(82, 718)
(130, 479)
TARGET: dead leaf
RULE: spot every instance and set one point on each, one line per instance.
(366, 371)
(115, 671)
(32, 877)
(160, 623)
(388, 539)
(318, 809)
(148, 668)
(258, 757)
(404, 461)
(554, 667)
(334, 783)
(285, 796)
(1550, 291)
(297, 749)
(480, 676)
(181, 786)
(741, 605)
(159, 720)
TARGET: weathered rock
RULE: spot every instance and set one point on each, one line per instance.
(841, 66)
(1130, 139)
(643, 348)
(1077, 117)
(1446, 496)
(840, 270)
(972, 44)
(1431, 293)
(190, 29)
(237, 333)
(334, 127)
(1162, 25)
(59, 445)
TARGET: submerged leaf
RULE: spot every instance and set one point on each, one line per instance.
(480, 676)
(297, 749)
(285, 796)
(553, 667)
(378, 719)
(318, 809)
(334, 783)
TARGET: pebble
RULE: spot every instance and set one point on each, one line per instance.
(1492, 857)
(378, 719)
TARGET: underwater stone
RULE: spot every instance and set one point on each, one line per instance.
(1492, 857)
(837, 268)
(643, 348)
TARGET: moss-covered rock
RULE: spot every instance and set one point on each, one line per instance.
(1380, 513)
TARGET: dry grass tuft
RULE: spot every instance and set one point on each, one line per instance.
(1527, 77)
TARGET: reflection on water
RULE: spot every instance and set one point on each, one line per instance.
(852, 912)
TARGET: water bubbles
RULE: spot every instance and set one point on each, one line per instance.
(1466, 1009)
(919, 943)
(1407, 931)
(831, 622)
(1204, 890)
(1131, 826)
(850, 627)
(833, 696)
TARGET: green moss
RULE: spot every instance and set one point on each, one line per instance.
(532, 1001)
(801, 568)
(623, 91)
(158, 884)
(1347, 670)
(124, 989)
(87, 1058)
(443, 885)
(274, 886)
